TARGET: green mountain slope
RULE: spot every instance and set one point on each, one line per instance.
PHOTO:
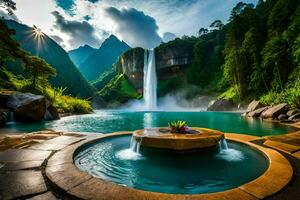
(255, 55)
(80, 54)
(103, 58)
(67, 74)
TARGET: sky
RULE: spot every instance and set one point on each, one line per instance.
(143, 23)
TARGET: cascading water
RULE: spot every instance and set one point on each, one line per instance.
(223, 144)
(150, 80)
(8, 116)
(135, 144)
(133, 152)
(229, 154)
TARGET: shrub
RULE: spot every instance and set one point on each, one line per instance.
(178, 126)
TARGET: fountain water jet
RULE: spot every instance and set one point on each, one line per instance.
(135, 144)
(223, 144)
(133, 152)
(150, 80)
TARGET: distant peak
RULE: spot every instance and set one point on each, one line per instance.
(112, 37)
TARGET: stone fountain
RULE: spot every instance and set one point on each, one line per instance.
(163, 138)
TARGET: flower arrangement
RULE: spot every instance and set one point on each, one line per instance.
(178, 127)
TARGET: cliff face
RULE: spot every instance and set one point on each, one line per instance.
(171, 58)
(131, 63)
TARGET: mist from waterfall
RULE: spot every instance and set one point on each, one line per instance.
(150, 80)
(174, 101)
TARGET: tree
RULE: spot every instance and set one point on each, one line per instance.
(202, 31)
(38, 69)
(9, 48)
(276, 62)
(9, 5)
(217, 24)
(238, 9)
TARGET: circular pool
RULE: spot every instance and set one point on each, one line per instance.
(111, 159)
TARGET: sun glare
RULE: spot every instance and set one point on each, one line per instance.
(37, 32)
(38, 35)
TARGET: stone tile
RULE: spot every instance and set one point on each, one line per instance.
(61, 157)
(296, 154)
(274, 156)
(21, 183)
(65, 140)
(45, 146)
(242, 137)
(234, 194)
(12, 166)
(290, 138)
(45, 196)
(41, 136)
(66, 176)
(272, 181)
(98, 189)
(19, 155)
(75, 134)
(282, 146)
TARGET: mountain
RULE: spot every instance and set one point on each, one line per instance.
(102, 59)
(80, 54)
(68, 76)
(256, 55)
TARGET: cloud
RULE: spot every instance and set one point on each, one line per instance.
(79, 32)
(181, 17)
(167, 36)
(134, 26)
(3, 13)
(57, 39)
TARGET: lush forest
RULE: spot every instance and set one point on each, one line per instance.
(256, 55)
(260, 57)
(35, 74)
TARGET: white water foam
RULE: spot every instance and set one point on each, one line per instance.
(231, 155)
(128, 154)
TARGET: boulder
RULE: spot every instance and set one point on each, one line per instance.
(282, 117)
(254, 105)
(27, 107)
(274, 111)
(292, 112)
(51, 112)
(295, 117)
(221, 105)
(257, 112)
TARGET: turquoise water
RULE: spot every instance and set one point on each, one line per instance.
(106, 121)
(193, 173)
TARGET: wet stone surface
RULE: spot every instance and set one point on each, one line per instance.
(22, 163)
(21, 183)
(22, 168)
(12, 166)
(64, 140)
(45, 196)
(19, 155)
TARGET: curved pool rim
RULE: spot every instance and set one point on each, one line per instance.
(275, 178)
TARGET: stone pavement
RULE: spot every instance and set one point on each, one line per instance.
(22, 163)
(23, 159)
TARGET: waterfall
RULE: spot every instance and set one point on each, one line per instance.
(150, 80)
(8, 116)
(223, 144)
(135, 144)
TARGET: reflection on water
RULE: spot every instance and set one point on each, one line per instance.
(149, 119)
(106, 121)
